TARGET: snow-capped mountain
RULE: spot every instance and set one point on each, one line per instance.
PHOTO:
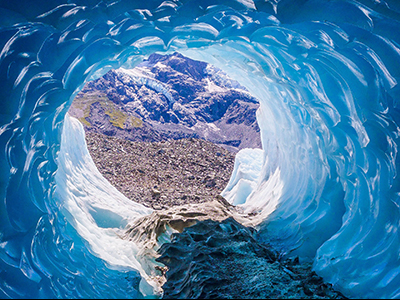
(170, 96)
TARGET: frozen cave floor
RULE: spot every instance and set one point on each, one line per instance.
(210, 253)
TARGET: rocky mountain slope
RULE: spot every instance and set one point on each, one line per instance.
(170, 96)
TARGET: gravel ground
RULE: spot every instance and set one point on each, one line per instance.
(162, 174)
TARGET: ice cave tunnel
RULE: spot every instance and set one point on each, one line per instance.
(326, 186)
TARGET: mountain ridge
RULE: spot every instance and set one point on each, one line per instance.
(170, 97)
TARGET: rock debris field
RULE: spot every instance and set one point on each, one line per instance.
(162, 174)
(210, 258)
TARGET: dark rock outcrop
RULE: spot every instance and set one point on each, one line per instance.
(223, 260)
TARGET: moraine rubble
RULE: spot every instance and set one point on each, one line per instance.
(182, 180)
(162, 174)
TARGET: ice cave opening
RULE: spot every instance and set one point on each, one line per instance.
(132, 104)
(326, 74)
(102, 212)
(108, 105)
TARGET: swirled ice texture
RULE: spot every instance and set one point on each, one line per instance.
(326, 74)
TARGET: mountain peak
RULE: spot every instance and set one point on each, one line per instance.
(184, 65)
(170, 96)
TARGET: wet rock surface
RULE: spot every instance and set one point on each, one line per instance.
(223, 260)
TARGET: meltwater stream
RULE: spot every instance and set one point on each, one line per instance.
(325, 187)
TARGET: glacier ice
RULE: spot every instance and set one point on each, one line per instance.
(145, 79)
(96, 209)
(326, 182)
(246, 171)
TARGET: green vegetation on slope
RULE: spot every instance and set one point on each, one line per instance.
(83, 102)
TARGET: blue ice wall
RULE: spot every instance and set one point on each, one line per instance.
(326, 74)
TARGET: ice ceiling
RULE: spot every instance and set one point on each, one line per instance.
(326, 182)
